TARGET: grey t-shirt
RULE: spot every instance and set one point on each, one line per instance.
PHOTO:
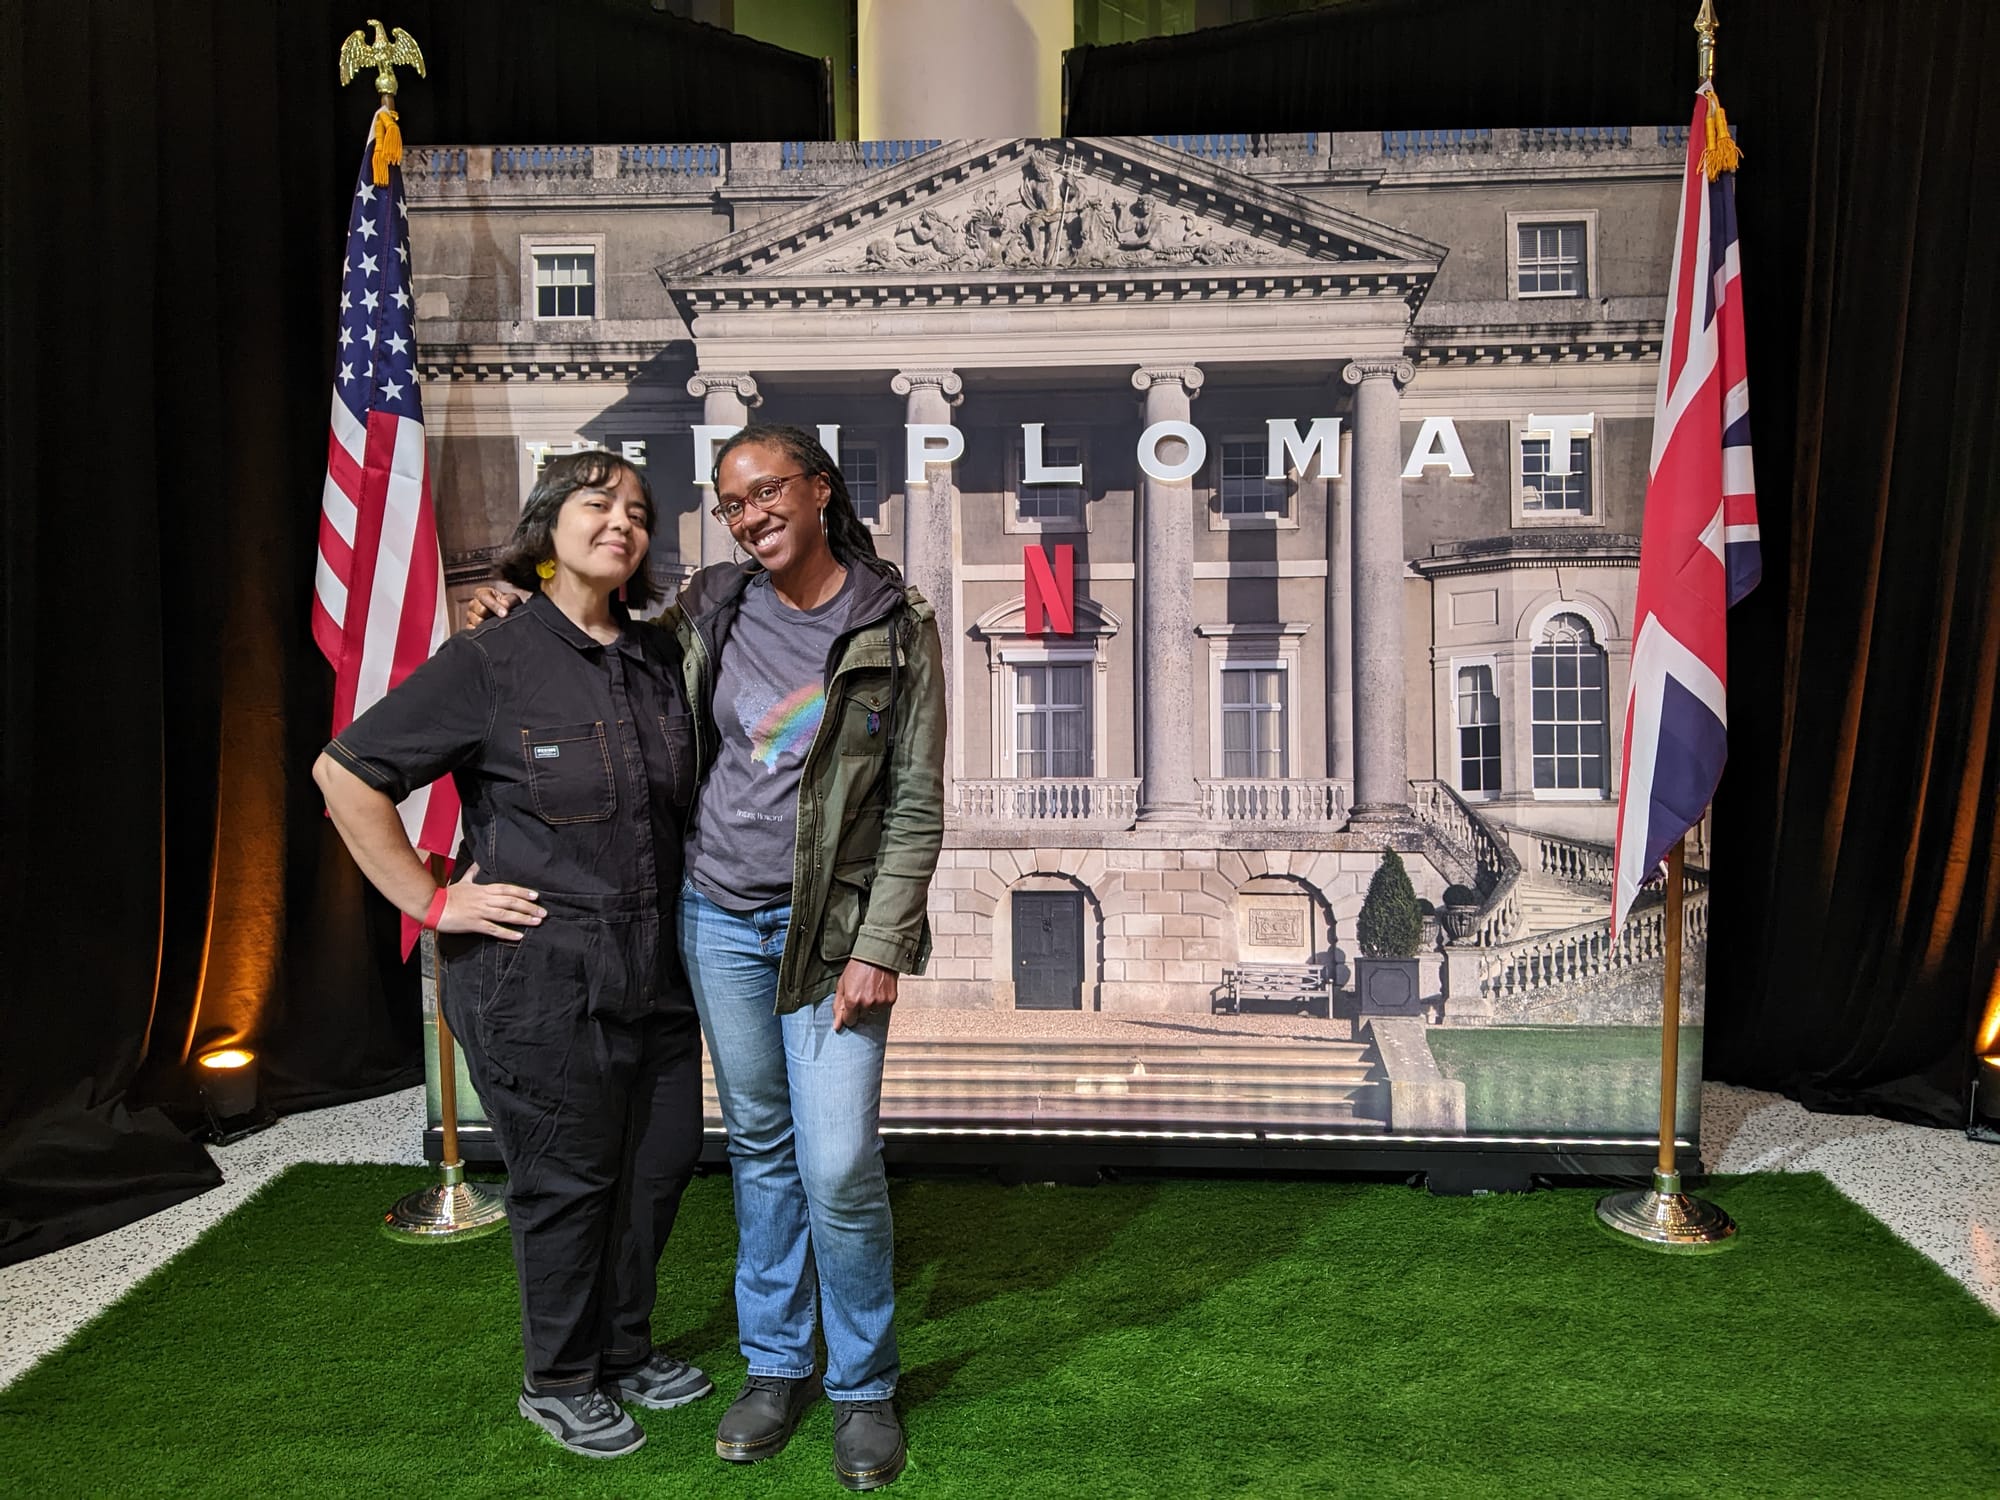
(770, 693)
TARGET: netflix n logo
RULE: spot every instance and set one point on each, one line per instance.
(1049, 591)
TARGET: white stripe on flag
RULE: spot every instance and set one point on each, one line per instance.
(1731, 535)
(400, 509)
(1735, 404)
(1739, 475)
(411, 810)
(335, 505)
(332, 592)
(350, 434)
(1711, 534)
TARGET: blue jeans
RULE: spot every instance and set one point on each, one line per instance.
(802, 1103)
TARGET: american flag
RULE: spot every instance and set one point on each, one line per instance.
(1699, 551)
(378, 600)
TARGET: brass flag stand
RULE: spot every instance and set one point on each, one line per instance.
(1663, 1217)
(451, 1208)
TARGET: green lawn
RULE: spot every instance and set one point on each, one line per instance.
(1178, 1339)
(1568, 1079)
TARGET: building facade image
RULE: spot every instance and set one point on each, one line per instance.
(1333, 449)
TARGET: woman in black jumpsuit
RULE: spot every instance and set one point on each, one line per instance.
(569, 739)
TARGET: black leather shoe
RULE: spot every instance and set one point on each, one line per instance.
(868, 1448)
(763, 1417)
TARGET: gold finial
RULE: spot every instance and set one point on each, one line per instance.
(1705, 49)
(385, 54)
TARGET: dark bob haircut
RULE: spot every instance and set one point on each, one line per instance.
(533, 541)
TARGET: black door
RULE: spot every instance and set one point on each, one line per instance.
(1048, 950)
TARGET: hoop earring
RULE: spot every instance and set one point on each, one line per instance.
(822, 518)
(545, 569)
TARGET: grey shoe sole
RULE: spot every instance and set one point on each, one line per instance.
(618, 1391)
(873, 1479)
(554, 1430)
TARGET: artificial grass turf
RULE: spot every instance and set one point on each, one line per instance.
(1184, 1338)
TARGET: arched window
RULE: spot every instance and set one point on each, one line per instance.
(1568, 681)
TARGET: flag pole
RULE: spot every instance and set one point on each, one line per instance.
(450, 1208)
(1663, 1217)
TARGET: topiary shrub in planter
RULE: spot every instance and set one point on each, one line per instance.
(1390, 931)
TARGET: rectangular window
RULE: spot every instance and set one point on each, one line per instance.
(861, 464)
(1051, 502)
(1052, 720)
(1241, 488)
(1543, 493)
(566, 283)
(1253, 723)
(1478, 731)
(1551, 261)
(1569, 717)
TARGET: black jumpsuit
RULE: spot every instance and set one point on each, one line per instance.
(574, 762)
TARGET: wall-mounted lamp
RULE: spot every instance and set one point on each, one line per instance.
(226, 1078)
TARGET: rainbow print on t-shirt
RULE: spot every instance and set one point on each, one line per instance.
(787, 727)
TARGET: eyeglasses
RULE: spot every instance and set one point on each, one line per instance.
(763, 497)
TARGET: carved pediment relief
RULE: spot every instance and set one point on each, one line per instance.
(1051, 212)
(1016, 208)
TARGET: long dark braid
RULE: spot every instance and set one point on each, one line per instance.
(849, 540)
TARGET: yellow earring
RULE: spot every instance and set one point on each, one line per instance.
(545, 569)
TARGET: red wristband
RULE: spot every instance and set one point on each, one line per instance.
(436, 913)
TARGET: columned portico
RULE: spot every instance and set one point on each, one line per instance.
(1167, 791)
(1381, 762)
(726, 402)
(929, 502)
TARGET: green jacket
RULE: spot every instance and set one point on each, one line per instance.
(871, 803)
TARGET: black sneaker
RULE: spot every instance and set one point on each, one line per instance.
(662, 1383)
(868, 1448)
(762, 1418)
(590, 1423)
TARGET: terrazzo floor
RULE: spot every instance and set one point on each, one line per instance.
(1937, 1190)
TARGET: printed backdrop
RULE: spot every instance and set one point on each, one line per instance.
(1280, 499)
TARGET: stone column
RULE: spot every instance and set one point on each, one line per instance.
(726, 401)
(930, 508)
(1381, 758)
(961, 69)
(1167, 791)
(1339, 641)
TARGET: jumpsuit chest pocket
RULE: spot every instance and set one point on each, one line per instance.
(569, 772)
(678, 731)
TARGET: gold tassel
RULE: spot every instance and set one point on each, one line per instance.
(1720, 153)
(389, 144)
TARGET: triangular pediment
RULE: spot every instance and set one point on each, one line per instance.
(1016, 211)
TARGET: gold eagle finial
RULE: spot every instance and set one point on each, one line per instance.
(385, 54)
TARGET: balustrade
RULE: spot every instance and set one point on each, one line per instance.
(1058, 798)
(1587, 950)
(1277, 801)
(540, 163)
(670, 161)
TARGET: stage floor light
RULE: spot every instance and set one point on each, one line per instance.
(226, 1079)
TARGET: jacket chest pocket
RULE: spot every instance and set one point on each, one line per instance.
(569, 772)
(864, 719)
(678, 731)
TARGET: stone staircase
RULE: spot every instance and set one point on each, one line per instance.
(1149, 1080)
(1550, 905)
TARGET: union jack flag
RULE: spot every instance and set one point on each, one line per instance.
(1699, 551)
(379, 606)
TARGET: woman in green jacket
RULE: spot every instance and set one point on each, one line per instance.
(818, 685)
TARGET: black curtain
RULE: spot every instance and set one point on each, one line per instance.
(172, 213)
(1855, 918)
